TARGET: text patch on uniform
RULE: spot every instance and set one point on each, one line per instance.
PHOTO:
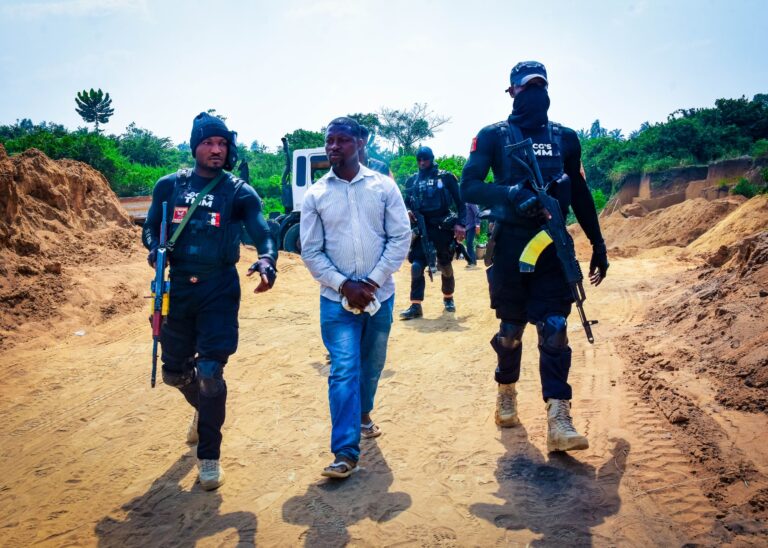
(178, 213)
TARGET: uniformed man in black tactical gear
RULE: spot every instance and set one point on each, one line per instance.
(433, 193)
(201, 329)
(541, 297)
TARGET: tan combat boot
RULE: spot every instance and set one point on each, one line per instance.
(211, 474)
(192, 436)
(506, 406)
(561, 435)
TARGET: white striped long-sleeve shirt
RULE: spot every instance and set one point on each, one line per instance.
(354, 230)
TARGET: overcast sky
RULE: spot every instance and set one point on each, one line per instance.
(275, 66)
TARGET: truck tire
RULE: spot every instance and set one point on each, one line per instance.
(291, 242)
(274, 229)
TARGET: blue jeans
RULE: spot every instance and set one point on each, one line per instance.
(471, 256)
(357, 344)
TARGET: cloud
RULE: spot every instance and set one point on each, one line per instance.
(72, 8)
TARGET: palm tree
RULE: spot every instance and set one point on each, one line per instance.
(94, 107)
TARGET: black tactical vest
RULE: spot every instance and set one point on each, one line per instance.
(549, 155)
(210, 239)
(431, 195)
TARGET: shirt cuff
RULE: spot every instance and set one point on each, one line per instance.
(337, 278)
(378, 276)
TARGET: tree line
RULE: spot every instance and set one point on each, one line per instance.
(133, 160)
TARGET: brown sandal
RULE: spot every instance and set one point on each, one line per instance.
(370, 430)
(341, 468)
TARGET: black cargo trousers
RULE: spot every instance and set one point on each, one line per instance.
(200, 333)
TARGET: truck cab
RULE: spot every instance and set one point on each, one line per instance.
(303, 168)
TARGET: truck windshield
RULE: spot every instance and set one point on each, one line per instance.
(320, 166)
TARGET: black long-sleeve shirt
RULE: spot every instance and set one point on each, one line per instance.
(246, 209)
(487, 154)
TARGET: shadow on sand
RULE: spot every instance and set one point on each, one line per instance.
(167, 515)
(556, 496)
(330, 506)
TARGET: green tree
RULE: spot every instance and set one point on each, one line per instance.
(369, 120)
(95, 107)
(302, 138)
(454, 164)
(212, 112)
(258, 147)
(596, 131)
(405, 128)
(402, 167)
(144, 147)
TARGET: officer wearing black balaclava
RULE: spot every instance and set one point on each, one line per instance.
(201, 330)
(433, 194)
(541, 297)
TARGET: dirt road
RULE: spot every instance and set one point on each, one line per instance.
(90, 455)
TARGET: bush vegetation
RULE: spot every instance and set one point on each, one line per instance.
(134, 160)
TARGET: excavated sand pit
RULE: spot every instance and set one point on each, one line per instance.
(672, 396)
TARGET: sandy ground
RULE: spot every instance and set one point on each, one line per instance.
(91, 455)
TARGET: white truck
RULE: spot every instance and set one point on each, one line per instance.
(302, 168)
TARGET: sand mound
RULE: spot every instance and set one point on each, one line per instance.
(748, 219)
(719, 310)
(677, 225)
(53, 215)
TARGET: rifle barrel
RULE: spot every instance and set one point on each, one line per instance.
(153, 378)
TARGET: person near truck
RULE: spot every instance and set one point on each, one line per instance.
(201, 329)
(365, 158)
(541, 297)
(354, 236)
(433, 194)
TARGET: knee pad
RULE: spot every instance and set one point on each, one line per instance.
(178, 379)
(210, 376)
(510, 335)
(446, 269)
(552, 332)
(417, 270)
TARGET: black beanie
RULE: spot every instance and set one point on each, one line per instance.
(204, 125)
(425, 153)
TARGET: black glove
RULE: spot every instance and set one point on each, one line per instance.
(265, 266)
(524, 201)
(598, 264)
(152, 258)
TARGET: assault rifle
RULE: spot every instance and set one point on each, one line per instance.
(160, 288)
(552, 231)
(427, 247)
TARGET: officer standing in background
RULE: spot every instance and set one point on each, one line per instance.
(431, 192)
(541, 297)
(366, 160)
(201, 328)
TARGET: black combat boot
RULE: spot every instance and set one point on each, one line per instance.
(413, 311)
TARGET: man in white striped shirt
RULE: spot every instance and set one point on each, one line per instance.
(355, 234)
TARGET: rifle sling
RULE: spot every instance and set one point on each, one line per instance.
(193, 207)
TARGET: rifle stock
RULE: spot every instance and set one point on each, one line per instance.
(427, 247)
(554, 226)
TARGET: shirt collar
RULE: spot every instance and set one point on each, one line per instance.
(361, 174)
